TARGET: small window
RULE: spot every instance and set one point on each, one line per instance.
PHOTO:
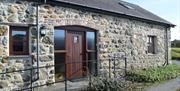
(19, 41)
(126, 5)
(91, 52)
(75, 39)
(59, 39)
(91, 40)
(151, 44)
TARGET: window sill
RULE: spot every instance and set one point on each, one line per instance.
(19, 56)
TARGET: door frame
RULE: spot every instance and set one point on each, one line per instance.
(83, 30)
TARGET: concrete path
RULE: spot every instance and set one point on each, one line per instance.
(72, 86)
(176, 62)
(172, 85)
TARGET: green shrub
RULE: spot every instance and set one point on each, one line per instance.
(108, 84)
(105, 84)
(154, 74)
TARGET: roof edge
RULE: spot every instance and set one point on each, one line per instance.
(99, 10)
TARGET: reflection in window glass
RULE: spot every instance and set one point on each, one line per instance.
(151, 44)
(19, 35)
(59, 39)
(19, 41)
(60, 67)
(91, 40)
(18, 46)
(92, 63)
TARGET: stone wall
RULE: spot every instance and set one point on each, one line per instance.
(22, 13)
(11, 80)
(118, 37)
(4, 36)
(17, 11)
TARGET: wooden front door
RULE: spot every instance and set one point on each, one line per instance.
(74, 54)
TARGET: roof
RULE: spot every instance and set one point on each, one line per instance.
(119, 7)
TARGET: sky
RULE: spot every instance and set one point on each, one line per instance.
(167, 9)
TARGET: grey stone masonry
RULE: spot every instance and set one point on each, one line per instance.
(117, 37)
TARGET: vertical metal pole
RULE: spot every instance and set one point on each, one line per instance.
(65, 77)
(97, 54)
(109, 68)
(167, 46)
(114, 67)
(89, 75)
(31, 79)
(32, 73)
(37, 25)
(125, 65)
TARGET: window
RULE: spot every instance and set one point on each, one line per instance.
(91, 49)
(59, 39)
(60, 67)
(126, 5)
(59, 54)
(91, 40)
(19, 41)
(151, 44)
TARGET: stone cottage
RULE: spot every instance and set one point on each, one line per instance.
(40, 34)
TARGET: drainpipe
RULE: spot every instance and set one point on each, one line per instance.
(38, 33)
(37, 26)
(167, 46)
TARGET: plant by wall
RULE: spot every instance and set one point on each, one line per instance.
(154, 74)
(109, 84)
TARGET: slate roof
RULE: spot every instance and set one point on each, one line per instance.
(119, 7)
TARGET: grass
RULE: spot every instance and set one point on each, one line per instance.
(153, 75)
(178, 89)
(175, 53)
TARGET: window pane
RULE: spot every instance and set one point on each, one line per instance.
(151, 44)
(18, 46)
(59, 66)
(59, 39)
(92, 62)
(91, 56)
(91, 40)
(19, 41)
(19, 35)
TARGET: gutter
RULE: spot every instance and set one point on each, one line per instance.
(167, 47)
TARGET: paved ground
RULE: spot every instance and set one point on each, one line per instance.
(176, 62)
(172, 85)
(72, 86)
